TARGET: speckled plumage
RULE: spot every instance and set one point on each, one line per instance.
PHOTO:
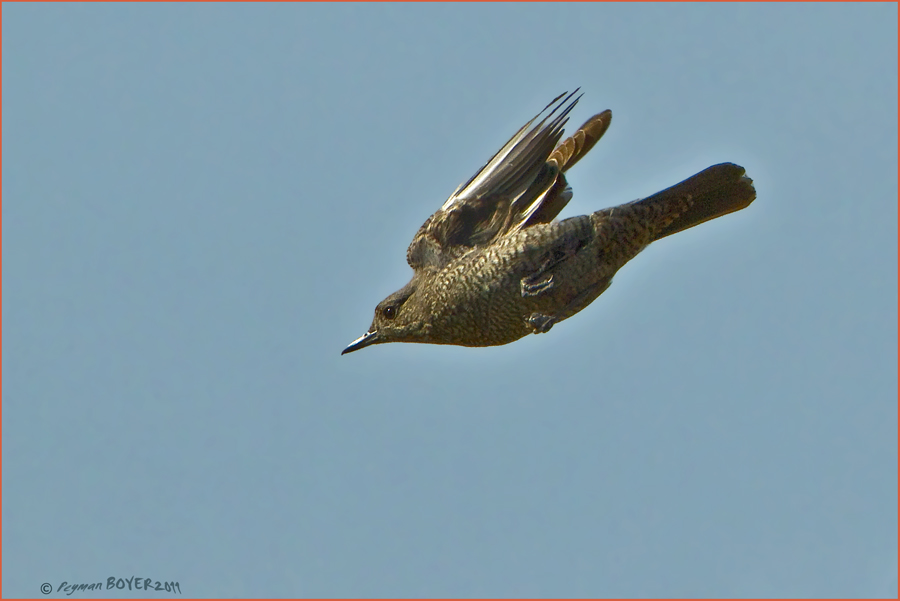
(492, 265)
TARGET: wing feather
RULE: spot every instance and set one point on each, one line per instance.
(522, 184)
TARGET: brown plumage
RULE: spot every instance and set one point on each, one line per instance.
(491, 265)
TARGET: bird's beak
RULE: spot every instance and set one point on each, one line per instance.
(363, 341)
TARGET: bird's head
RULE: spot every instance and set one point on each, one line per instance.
(401, 317)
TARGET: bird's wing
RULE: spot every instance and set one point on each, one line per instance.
(574, 148)
(569, 152)
(502, 195)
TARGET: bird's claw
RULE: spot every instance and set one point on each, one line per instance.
(540, 323)
(530, 287)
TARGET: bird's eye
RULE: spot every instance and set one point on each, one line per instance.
(389, 312)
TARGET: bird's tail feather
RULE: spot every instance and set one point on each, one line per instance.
(715, 191)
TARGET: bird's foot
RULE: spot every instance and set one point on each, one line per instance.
(540, 281)
(540, 323)
(532, 287)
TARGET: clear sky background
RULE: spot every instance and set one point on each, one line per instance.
(202, 205)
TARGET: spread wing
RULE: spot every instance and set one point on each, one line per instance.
(521, 185)
(567, 154)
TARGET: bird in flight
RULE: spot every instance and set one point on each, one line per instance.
(492, 265)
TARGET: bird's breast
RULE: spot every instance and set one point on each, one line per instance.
(477, 301)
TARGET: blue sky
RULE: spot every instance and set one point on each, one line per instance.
(203, 203)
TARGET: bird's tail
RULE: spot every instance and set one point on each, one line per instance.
(715, 191)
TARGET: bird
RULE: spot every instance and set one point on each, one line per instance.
(493, 264)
